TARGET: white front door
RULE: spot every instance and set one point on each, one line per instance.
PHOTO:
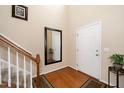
(88, 53)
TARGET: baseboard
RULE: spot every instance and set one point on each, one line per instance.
(53, 70)
(73, 67)
(106, 82)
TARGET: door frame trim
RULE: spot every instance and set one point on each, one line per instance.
(100, 51)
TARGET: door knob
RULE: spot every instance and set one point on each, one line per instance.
(97, 54)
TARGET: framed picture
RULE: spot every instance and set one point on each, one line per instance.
(20, 11)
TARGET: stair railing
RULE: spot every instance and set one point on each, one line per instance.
(12, 46)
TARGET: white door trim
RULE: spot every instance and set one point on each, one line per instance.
(100, 51)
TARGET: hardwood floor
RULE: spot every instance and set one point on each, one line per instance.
(67, 78)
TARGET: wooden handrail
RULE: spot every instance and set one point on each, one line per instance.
(17, 48)
(22, 51)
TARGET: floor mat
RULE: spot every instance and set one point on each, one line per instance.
(94, 84)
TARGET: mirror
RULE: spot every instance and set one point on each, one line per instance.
(53, 45)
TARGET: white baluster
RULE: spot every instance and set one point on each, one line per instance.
(24, 73)
(9, 68)
(0, 70)
(30, 73)
(17, 67)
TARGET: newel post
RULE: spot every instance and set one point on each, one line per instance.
(38, 70)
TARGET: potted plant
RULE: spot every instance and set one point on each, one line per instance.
(117, 60)
(51, 52)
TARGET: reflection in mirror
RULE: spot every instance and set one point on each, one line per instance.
(53, 45)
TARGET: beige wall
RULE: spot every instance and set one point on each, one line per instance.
(112, 18)
(30, 34)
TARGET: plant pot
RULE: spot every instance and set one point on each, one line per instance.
(50, 56)
(118, 66)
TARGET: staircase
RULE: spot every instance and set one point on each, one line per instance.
(5, 85)
(17, 66)
(4, 75)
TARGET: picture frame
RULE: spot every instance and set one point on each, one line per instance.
(20, 12)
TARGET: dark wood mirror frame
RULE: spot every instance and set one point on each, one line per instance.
(46, 29)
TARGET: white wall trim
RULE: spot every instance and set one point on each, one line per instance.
(107, 82)
(72, 67)
(90, 24)
(100, 52)
(53, 70)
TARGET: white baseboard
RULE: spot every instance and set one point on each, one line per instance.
(53, 70)
(72, 67)
(107, 82)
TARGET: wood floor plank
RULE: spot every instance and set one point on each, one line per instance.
(67, 78)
